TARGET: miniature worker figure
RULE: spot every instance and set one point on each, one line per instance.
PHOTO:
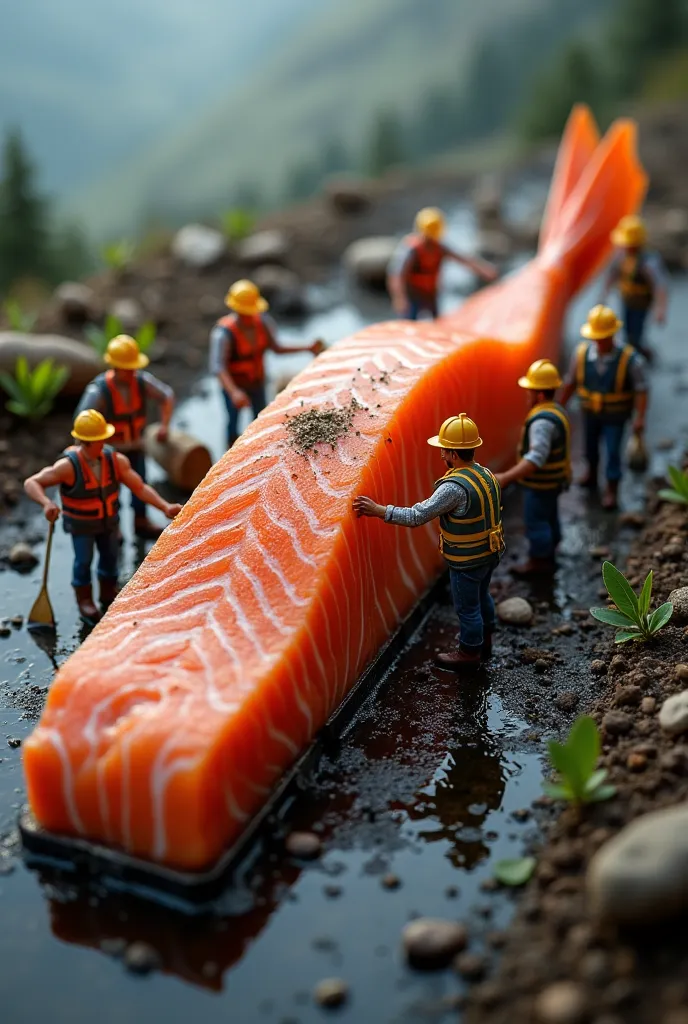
(238, 344)
(120, 394)
(467, 500)
(641, 278)
(543, 469)
(89, 477)
(610, 379)
(414, 274)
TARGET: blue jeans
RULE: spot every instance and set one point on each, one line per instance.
(541, 516)
(634, 325)
(138, 464)
(470, 590)
(258, 403)
(108, 557)
(419, 305)
(596, 431)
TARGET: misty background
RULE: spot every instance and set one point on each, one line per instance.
(117, 118)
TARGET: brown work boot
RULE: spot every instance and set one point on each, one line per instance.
(535, 567)
(87, 609)
(462, 660)
(145, 529)
(610, 496)
(109, 589)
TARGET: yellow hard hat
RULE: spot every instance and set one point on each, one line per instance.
(602, 323)
(457, 432)
(244, 297)
(123, 354)
(630, 232)
(430, 222)
(90, 426)
(542, 375)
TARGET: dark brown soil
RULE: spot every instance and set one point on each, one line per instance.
(616, 977)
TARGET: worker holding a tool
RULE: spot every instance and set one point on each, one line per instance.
(414, 275)
(610, 379)
(641, 278)
(238, 344)
(467, 500)
(89, 476)
(120, 394)
(543, 469)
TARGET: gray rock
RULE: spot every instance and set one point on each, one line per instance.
(21, 556)
(305, 845)
(76, 302)
(640, 875)
(140, 958)
(199, 246)
(673, 715)
(263, 247)
(561, 1003)
(598, 667)
(430, 942)
(367, 260)
(515, 611)
(347, 195)
(331, 992)
(617, 723)
(129, 312)
(679, 599)
(82, 361)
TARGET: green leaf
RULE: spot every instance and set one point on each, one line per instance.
(679, 479)
(584, 744)
(600, 794)
(645, 596)
(596, 779)
(660, 617)
(18, 408)
(514, 872)
(624, 637)
(146, 336)
(22, 374)
(113, 327)
(668, 495)
(564, 760)
(611, 617)
(40, 379)
(11, 387)
(620, 591)
(557, 790)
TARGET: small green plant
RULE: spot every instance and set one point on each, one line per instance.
(118, 255)
(100, 337)
(32, 392)
(237, 223)
(19, 319)
(514, 872)
(678, 492)
(579, 781)
(632, 615)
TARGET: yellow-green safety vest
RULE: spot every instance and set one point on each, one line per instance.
(470, 541)
(611, 393)
(555, 475)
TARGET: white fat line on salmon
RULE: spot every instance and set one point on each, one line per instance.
(376, 472)
(243, 623)
(356, 574)
(324, 485)
(192, 567)
(233, 809)
(291, 532)
(68, 790)
(182, 593)
(304, 508)
(276, 568)
(133, 638)
(261, 598)
(371, 576)
(160, 775)
(409, 533)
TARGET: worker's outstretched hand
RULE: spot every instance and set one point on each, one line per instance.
(240, 399)
(489, 272)
(162, 434)
(173, 510)
(367, 507)
(317, 347)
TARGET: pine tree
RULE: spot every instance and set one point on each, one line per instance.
(24, 235)
(643, 31)
(386, 143)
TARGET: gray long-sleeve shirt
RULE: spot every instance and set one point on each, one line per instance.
(450, 496)
(540, 440)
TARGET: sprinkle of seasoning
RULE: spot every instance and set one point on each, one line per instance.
(316, 426)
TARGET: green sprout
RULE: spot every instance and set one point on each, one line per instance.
(514, 872)
(118, 255)
(100, 337)
(579, 782)
(632, 615)
(237, 223)
(32, 392)
(19, 319)
(679, 491)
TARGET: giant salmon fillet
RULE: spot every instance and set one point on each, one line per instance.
(262, 603)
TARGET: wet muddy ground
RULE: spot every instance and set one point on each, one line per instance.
(433, 782)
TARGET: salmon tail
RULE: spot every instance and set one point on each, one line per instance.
(589, 198)
(578, 144)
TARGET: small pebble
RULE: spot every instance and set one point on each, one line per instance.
(451, 892)
(471, 966)
(17, 621)
(22, 557)
(648, 705)
(567, 700)
(561, 1003)
(333, 891)
(430, 942)
(598, 667)
(617, 723)
(681, 672)
(515, 611)
(331, 992)
(627, 696)
(113, 947)
(5, 631)
(140, 958)
(497, 939)
(14, 743)
(566, 629)
(390, 881)
(636, 762)
(489, 885)
(673, 714)
(540, 665)
(304, 845)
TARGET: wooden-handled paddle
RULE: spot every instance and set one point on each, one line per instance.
(41, 615)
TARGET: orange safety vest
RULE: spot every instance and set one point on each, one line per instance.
(424, 272)
(127, 416)
(91, 505)
(245, 355)
(635, 282)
